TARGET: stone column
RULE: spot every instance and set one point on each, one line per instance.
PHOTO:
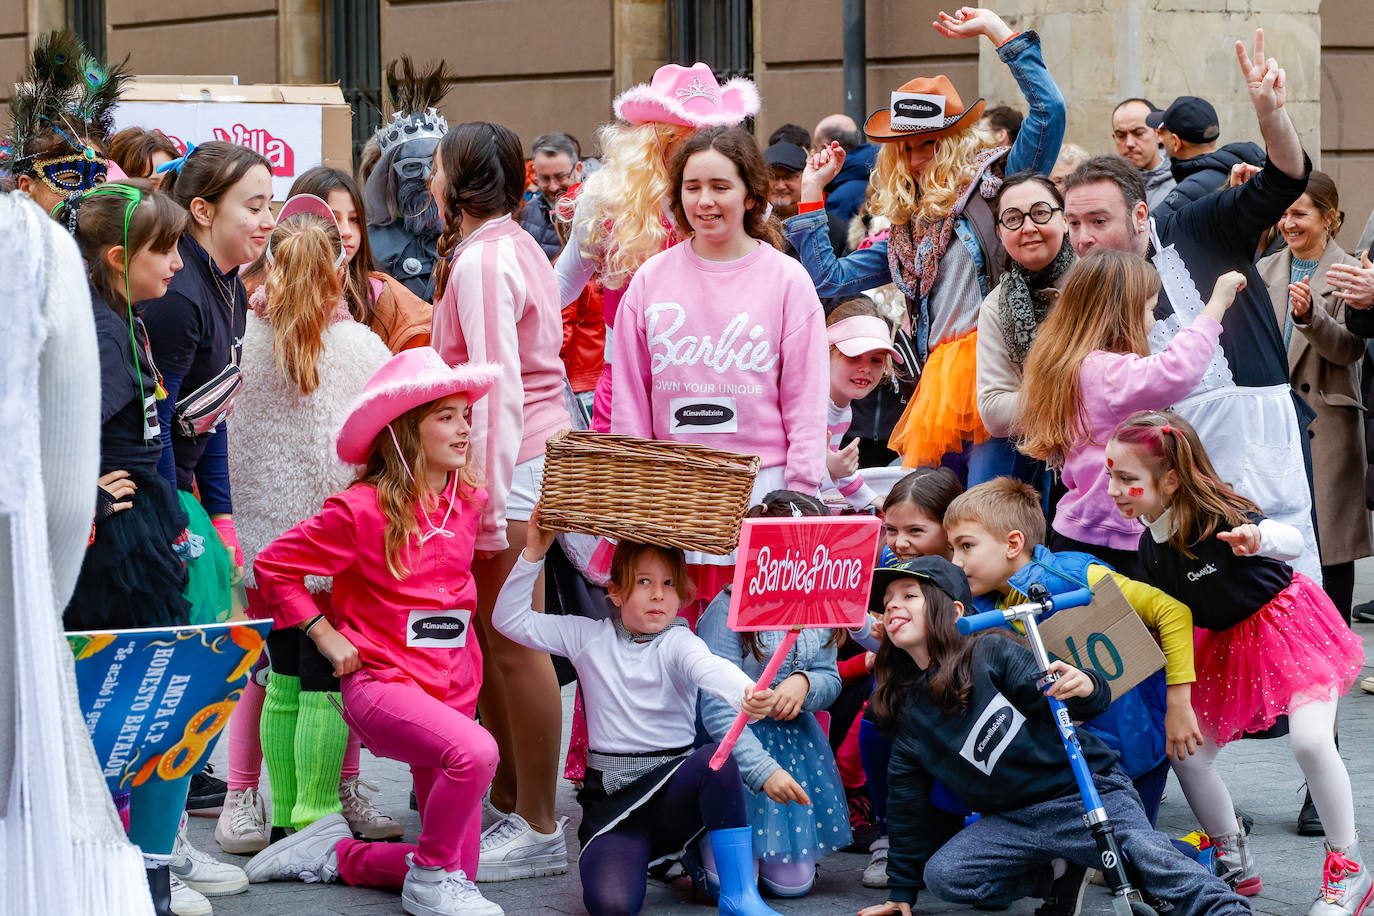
(641, 41)
(300, 41)
(1103, 51)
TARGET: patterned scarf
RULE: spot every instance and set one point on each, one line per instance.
(641, 638)
(1025, 299)
(914, 253)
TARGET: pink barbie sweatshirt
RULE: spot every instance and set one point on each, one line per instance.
(501, 305)
(728, 354)
(1112, 387)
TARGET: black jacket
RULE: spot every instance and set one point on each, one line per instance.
(1001, 753)
(536, 219)
(1203, 175)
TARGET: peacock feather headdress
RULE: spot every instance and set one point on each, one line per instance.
(67, 91)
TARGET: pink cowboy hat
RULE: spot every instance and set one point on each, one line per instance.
(407, 380)
(690, 97)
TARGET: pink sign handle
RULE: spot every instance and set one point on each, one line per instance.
(727, 744)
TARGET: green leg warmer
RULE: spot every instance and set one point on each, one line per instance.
(280, 709)
(321, 738)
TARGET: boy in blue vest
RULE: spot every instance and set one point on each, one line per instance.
(997, 529)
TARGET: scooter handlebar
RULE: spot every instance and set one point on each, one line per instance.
(975, 623)
(984, 621)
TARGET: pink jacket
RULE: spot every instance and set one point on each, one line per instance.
(729, 354)
(1112, 387)
(501, 305)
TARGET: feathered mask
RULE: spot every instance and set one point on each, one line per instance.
(414, 95)
(67, 91)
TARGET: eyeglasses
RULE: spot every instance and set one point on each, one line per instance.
(1040, 214)
(562, 178)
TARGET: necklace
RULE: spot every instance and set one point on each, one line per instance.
(226, 292)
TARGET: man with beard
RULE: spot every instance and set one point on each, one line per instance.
(404, 223)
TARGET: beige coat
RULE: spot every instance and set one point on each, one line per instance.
(1324, 367)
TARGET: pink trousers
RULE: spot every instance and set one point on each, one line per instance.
(452, 760)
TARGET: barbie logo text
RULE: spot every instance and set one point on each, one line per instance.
(727, 352)
(795, 573)
(278, 152)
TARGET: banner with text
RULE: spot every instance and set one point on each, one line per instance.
(803, 572)
(155, 700)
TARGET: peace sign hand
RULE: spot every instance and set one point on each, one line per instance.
(1266, 82)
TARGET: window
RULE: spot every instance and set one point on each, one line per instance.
(353, 56)
(87, 19)
(718, 32)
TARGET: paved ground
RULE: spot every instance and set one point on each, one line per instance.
(1262, 775)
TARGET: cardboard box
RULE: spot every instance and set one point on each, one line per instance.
(295, 127)
(1107, 635)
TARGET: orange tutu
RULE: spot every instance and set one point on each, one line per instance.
(942, 416)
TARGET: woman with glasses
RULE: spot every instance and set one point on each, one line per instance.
(1030, 225)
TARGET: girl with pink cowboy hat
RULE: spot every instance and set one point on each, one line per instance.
(622, 215)
(399, 546)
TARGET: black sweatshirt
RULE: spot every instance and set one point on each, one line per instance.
(1000, 753)
(1221, 588)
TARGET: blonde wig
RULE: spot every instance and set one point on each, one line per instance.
(625, 198)
(900, 198)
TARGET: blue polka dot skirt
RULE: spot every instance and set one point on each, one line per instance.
(800, 833)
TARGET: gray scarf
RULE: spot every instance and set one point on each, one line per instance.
(1026, 297)
(645, 637)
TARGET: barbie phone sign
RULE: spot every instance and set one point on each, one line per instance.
(803, 572)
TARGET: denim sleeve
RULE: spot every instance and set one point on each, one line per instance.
(1042, 133)
(823, 674)
(755, 765)
(212, 473)
(866, 268)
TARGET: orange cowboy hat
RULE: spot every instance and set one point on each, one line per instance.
(925, 107)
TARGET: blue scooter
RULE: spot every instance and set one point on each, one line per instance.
(1126, 899)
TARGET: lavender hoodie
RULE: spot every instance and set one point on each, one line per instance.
(1113, 386)
(729, 354)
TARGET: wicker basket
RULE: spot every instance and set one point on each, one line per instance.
(668, 493)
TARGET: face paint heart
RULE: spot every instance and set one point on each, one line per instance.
(1136, 492)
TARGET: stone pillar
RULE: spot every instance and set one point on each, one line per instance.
(300, 41)
(640, 41)
(1103, 51)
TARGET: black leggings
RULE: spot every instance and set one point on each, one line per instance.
(294, 654)
(613, 867)
(1339, 583)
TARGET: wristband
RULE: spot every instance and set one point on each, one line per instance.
(811, 206)
(1009, 38)
(313, 623)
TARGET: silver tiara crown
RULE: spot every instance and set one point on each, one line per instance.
(411, 126)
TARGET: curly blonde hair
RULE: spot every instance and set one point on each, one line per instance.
(902, 198)
(624, 198)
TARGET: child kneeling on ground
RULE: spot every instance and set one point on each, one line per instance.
(966, 710)
(647, 793)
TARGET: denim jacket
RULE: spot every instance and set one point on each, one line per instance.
(810, 655)
(1036, 148)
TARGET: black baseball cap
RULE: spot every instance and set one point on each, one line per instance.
(938, 571)
(785, 155)
(1192, 118)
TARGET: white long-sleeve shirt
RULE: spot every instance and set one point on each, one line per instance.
(639, 697)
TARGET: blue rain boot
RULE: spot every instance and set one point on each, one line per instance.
(733, 848)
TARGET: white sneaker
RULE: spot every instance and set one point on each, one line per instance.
(512, 849)
(364, 818)
(490, 813)
(201, 872)
(306, 855)
(436, 892)
(875, 873)
(188, 901)
(242, 827)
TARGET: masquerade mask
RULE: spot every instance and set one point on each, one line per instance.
(411, 168)
(72, 174)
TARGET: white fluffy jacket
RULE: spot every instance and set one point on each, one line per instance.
(281, 449)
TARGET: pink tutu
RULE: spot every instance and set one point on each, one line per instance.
(1294, 649)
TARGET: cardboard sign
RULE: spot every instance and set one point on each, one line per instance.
(914, 109)
(155, 700)
(295, 127)
(1107, 635)
(803, 572)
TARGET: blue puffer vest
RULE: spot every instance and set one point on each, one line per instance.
(1133, 725)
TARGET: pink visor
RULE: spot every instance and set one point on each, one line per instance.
(861, 334)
